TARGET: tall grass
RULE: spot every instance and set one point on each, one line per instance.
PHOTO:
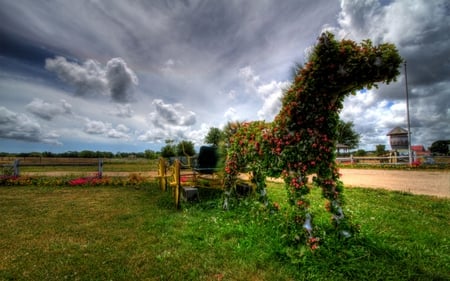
(106, 233)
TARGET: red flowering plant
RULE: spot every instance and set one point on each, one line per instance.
(301, 139)
(83, 181)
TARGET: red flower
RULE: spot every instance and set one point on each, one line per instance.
(276, 206)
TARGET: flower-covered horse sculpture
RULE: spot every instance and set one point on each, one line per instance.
(301, 139)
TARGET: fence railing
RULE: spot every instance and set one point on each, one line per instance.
(394, 160)
(11, 166)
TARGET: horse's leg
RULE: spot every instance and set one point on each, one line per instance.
(298, 190)
(230, 178)
(259, 179)
(332, 189)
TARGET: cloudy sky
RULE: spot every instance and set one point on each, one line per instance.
(127, 75)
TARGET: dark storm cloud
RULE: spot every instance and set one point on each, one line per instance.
(91, 78)
(16, 47)
(88, 78)
(121, 80)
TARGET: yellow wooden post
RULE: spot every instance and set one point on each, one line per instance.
(177, 184)
(162, 173)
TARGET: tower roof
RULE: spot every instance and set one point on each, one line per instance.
(397, 131)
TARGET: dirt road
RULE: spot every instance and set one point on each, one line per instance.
(418, 182)
(435, 183)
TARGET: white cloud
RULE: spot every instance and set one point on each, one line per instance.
(232, 94)
(19, 126)
(48, 111)
(250, 79)
(116, 134)
(372, 118)
(122, 128)
(123, 111)
(95, 127)
(271, 93)
(172, 114)
(198, 136)
(230, 114)
(168, 121)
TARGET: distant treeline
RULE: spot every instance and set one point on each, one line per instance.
(149, 154)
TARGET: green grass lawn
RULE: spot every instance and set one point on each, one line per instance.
(111, 233)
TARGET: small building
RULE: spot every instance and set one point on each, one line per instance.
(419, 150)
(342, 148)
(398, 138)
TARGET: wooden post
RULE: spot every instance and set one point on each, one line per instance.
(16, 167)
(100, 168)
(162, 173)
(177, 183)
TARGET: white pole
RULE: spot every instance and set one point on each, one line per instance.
(407, 116)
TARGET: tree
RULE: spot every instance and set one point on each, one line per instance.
(440, 147)
(346, 135)
(380, 149)
(150, 154)
(185, 148)
(87, 154)
(214, 136)
(360, 152)
(169, 150)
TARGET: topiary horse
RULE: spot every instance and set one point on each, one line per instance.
(301, 139)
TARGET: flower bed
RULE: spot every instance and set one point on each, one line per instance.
(42, 181)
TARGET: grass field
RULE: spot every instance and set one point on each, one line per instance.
(110, 233)
(109, 165)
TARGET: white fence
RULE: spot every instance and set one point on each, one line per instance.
(395, 160)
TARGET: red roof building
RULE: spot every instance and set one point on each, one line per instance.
(419, 150)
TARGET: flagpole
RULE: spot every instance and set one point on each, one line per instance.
(407, 116)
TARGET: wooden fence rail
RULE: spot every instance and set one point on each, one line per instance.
(12, 166)
(394, 160)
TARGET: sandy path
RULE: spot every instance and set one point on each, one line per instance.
(435, 183)
(418, 182)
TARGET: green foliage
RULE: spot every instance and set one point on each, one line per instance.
(214, 136)
(169, 150)
(440, 147)
(185, 148)
(182, 148)
(150, 154)
(360, 152)
(346, 135)
(302, 138)
(380, 149)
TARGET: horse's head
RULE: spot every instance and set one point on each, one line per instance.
(342, 67)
